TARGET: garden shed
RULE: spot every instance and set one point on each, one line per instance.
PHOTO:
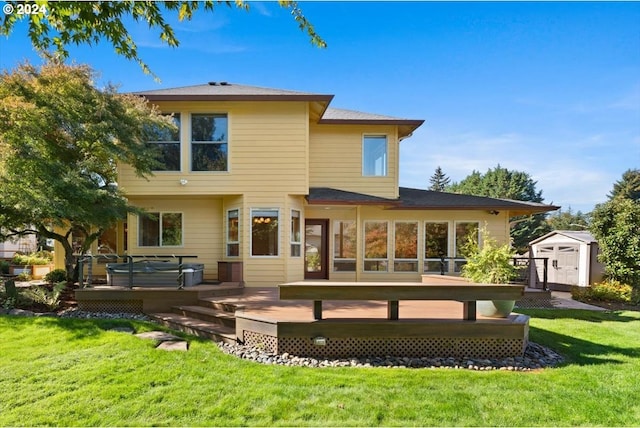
(573, 258)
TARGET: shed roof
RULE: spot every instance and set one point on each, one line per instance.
(418, 199)
(577, 235)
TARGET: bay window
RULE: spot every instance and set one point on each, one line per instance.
(264, 232)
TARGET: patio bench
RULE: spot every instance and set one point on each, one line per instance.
(466, 293)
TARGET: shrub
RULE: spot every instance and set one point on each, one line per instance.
(490, 264)
(607, 291)
(24, 276)
(4, 267)
(56, 276)
(37, 258)
(42, 295)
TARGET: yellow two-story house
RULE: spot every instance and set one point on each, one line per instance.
(270, 186)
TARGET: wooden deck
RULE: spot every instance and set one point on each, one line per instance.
(256, 316)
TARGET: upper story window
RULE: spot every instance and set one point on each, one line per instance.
(167, 146)
(374, 156)
(209, 145)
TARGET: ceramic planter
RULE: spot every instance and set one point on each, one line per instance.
(495, 308)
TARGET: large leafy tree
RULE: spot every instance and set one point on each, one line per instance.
(568, 220)
(616, 226)
(60, 139)
(502, 183)
(63, 23)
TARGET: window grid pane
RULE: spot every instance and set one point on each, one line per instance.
(233, 246)
(264, 233)
(374, 156)
(209, 151)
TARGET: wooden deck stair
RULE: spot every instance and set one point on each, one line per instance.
(208, 319)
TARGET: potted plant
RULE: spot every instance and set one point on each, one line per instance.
(490, 264)
(36, 264)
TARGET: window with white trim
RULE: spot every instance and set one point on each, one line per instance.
(465, 232)
(166, 146)
(374, 156)
(233, 233)
(344, 246)
(296, 230)
(264, 232)
(209, 145)
(405, 253)
(436, 246)
(160, 229)
(376, 246)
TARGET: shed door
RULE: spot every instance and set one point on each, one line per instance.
(563, 263)
(566, 266)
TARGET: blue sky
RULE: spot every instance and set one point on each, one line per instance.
(552, 89)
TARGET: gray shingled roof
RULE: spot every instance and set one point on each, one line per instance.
(578, 235)
(418, 199)
(221, 88)
(342, 114)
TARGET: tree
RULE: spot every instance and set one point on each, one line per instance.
(504, 184)
(60, 139)
(628, 187)
(439, 181)
(568, 220)
(616, 226)
(60, 24)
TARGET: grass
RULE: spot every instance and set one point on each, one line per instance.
(77, 373)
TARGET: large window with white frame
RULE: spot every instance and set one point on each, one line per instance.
(405, 257)
(265, 232)
(374, 156)
(376, 234)
(233, 233)
(160, 229)
(209, 142)
(344, 246)
(465, 232)
(165, 145)
(296, 231)
(436, 246)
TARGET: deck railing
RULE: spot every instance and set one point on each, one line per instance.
(129, 259)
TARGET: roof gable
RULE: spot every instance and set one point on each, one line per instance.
(576, 235)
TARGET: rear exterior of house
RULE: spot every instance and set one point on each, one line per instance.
(268, 186)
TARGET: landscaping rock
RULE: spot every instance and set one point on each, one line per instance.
(174, 346)
(536, 357)
(127, 330)
(21, 313)
(160, 336)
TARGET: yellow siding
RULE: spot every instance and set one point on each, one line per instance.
(202, 230)
(335, 159)
(267, 145)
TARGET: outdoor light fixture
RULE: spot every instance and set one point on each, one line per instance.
(183, 181)
(320, 341)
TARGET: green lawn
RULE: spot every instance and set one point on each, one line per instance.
(74, 372)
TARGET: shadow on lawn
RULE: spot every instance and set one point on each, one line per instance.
(579, 314)
(580, 351)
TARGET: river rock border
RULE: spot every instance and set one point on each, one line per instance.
(536, 357)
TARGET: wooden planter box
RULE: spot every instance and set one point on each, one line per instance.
(36, 271)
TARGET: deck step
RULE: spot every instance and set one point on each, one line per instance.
(196, 327)
(220, 317)
(214, 303)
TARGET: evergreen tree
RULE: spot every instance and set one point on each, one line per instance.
(504, 184)
(628, 187)
(439, 180)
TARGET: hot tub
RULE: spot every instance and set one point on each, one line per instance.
(154, 273)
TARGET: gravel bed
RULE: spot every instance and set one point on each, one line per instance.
(535, 357)
(76, 313)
